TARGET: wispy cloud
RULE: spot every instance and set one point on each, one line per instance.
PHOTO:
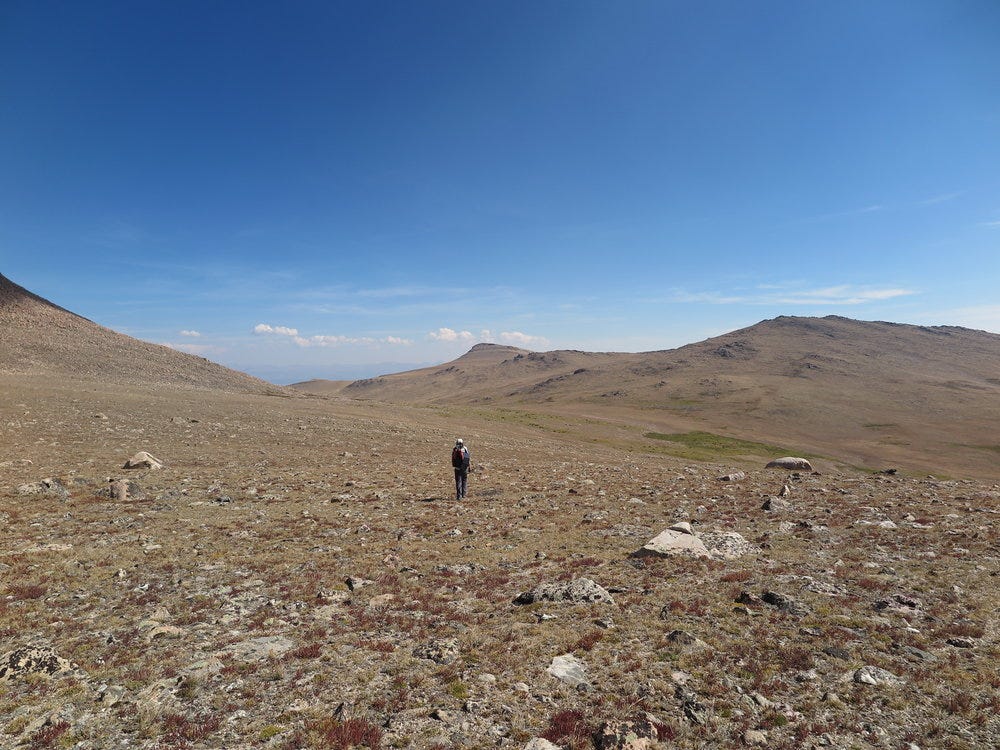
(943, 198)
(843, 294)
(875, 207)
(190, 334)
(989, 223)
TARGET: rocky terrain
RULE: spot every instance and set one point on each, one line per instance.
(288, 569)
(297, 575)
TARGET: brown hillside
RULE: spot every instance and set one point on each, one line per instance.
(866, 393)
(39, 338)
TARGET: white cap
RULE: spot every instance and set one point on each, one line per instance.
(459, 442)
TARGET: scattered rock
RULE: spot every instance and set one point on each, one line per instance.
(776, 504)
(48, 486)
(438, 651)
(727, 545)
(260, 649)
(540, 743)
(876, 676)
(637, 734)
(736, 476)
(785, 603)
(355, 582)
(902, 603)
(791, 463)
(960, 642)
(143, 460)
(673, 542)
(567, 668)
(684, 638)
(577, 590)
(36, 660)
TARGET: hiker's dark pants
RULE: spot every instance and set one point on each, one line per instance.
(461, 480)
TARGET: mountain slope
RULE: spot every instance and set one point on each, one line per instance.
(40, 338)
(866, 392)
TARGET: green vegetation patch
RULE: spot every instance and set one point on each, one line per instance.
(701, 446)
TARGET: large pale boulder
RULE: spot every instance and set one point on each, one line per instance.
(791, 463)
(673, 541)
(143, 460)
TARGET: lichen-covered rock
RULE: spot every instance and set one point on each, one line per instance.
(36, 660)
(577, 590)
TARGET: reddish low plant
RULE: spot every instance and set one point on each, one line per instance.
(569, 729)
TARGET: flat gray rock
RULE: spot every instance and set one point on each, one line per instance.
(567, 668)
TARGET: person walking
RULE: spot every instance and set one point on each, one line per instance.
(460, 461)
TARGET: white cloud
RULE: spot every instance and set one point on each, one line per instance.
(280, 330)
(192, 334)
(447, 334)
(327, 340)
(523, 339)
(989, 223)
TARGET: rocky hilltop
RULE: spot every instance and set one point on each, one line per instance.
(865, 393)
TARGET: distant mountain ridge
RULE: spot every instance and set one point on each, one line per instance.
(40, 338)
(866, 392)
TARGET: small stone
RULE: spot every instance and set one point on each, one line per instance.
(785, 603)
(959, 642)
(876, 676)
(776, 504)
(438, 651)
(540, 743)
(355, 582)
(755, 737)
(735, 476)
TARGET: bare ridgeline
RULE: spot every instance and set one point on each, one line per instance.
(285, 568)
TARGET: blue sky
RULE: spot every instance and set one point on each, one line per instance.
(324, 189)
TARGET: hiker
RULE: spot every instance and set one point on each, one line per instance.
(460, 461)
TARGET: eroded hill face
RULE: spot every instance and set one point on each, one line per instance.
(867, 393)
(39, 338)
